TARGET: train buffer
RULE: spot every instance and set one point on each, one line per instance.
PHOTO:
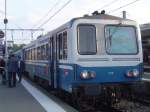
(27, 98)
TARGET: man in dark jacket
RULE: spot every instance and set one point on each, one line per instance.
(21, 68)
(12, 67)
(2, 70)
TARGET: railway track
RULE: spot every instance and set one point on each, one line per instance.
(137, 104)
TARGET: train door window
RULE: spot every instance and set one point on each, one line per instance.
(87, 39)
(60, 54)
(57, 47)
(64, 43)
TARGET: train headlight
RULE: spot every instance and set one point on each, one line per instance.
(87, 74)
(132, 73)
(135, 72)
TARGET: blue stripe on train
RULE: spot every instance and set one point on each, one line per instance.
(71, 77)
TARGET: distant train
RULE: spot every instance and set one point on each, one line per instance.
(90, 55)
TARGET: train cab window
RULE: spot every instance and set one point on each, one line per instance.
(121, 39)
(87, 39)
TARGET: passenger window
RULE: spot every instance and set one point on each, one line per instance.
(38, 53)
(47, 52)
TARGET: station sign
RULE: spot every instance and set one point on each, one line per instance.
(1, 34)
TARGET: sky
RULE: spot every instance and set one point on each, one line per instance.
(27, 14)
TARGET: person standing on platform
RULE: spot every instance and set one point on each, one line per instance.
(21, 68)
(2, 70)
(12, 67)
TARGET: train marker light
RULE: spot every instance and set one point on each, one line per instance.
(87, 75)
(132, 73)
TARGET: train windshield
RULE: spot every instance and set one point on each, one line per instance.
(87, 39)
(121, 40)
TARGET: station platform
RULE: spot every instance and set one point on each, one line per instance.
(27, 98)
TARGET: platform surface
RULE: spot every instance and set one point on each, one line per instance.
(18, 99)
(27, 97)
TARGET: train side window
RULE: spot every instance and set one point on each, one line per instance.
(38, 53)
(42, 52)
(50, 46)
(32, 54)
(47, 53)
(64, 43)
(27, 55)
(35, 54)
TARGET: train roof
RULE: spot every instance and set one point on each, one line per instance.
(69, 24)
(102, 16)
(99, 16)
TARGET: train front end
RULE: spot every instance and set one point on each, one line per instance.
(107, 54)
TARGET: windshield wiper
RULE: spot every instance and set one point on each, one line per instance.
(112, 34)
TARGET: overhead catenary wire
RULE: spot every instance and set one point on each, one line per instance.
(1, 11)
(45, 22)
(108, 4)
(123, 6)
(58, 1)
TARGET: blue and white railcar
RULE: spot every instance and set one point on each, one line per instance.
(101, 49)
(88, 52)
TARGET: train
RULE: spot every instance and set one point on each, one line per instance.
(93, 55)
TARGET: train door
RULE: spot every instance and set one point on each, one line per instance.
(55, 66)
(51, 82)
